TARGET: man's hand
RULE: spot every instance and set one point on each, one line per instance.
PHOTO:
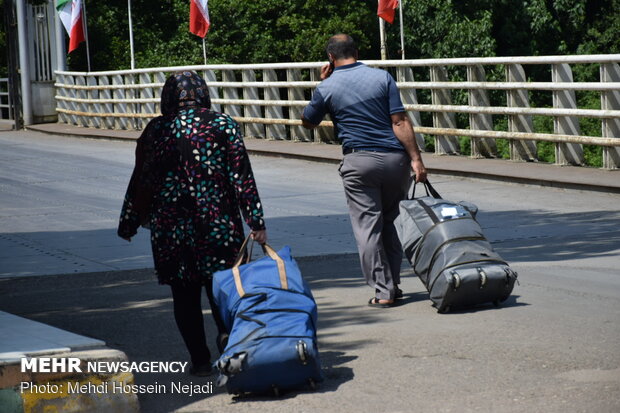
(419, 170)
(326, 71)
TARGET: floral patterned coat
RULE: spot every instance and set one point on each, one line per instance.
(192, 178)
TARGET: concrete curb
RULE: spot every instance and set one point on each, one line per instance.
(29, 392)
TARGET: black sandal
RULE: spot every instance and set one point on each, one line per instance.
(374, 302)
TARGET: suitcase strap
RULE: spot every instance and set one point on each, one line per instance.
(269, 252)
(430, 190)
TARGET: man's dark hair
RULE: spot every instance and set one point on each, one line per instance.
(341, 46)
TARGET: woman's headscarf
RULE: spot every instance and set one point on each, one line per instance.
(184, 90)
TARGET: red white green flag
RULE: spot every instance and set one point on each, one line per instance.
(70, 13)
(386, 10)
(199, 17)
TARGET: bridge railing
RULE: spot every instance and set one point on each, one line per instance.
(458, 106)
(6, 109)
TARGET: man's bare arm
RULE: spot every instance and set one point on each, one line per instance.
(403, 129)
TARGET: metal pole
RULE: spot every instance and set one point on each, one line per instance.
(204, 50)
(133, 62)
(382, 39)
(402, 32)
(61, 50)
(85, 28)
(24, 66)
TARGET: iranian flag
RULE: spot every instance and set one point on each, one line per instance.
(386, 9)
(70, 13)
(199, 17)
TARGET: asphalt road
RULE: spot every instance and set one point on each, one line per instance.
(552, 347)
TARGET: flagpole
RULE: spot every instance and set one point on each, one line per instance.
(85, 28)
(204, 50)
(402, 32)
(133, 62)
(382, 39)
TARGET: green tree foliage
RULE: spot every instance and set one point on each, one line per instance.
(242, 31)
(3, 45)
(467, 28)
(250, 31)
(442, 29)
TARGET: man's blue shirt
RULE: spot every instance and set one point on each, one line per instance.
(360, 100)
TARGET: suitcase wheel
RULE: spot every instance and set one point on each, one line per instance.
(483, 277)
(456, 280)
(276, 390)
(443, 310)
(302, 352)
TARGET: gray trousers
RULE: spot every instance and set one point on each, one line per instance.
(374, 183)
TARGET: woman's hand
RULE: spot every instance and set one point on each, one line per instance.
(259, 236)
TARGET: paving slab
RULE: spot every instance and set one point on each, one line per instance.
(22, 337)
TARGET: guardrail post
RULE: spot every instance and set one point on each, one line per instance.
(146, 92)
(444, 145)
(298, 133)
(82, 107)
(159, 77)
(520, 150)
(480, 147)
(255, 130)
(231, 93)
(62, 104)
(610, 100)
(214, 92)
(119, 123)
(93, 94)
(273, 112)
(134, 108)
(565, 153)
(321, 134)
(108, 121)
(410, 97)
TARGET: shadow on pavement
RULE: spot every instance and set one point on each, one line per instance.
(532, 236)
(131, 312)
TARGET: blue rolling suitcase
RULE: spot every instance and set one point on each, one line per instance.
(271, 315)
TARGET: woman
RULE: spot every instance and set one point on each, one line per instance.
(192, 177)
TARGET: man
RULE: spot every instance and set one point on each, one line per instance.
(379, 150)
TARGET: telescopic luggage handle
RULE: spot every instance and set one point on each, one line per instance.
(267, 250)
(430, 191)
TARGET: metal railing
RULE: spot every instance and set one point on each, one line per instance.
(453, 102)
(6, 109)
